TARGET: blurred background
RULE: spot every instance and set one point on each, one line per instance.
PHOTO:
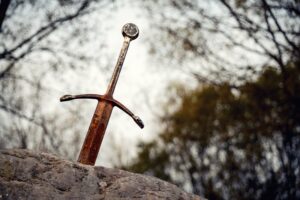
(217, 84)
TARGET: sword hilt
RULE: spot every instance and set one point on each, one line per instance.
(106, 98)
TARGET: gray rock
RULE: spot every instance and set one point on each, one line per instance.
(25, 174)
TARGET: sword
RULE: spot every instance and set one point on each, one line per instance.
(106, 102)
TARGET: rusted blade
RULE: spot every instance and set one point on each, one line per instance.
(95, 134)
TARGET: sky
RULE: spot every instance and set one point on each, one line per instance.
(141, 87)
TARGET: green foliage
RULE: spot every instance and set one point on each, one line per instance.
(227, 142)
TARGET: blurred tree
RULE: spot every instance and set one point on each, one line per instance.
(231, 143)
(37, 42)
(236, 136)
(224, 40)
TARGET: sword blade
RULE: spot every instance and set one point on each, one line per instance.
(95, 134)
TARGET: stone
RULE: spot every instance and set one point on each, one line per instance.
(25, 174)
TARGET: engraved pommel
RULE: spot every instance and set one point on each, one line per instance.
(130, 30)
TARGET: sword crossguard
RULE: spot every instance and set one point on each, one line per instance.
(106, 98)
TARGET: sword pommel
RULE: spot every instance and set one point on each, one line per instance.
(130, 30)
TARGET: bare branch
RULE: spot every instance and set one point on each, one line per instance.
(40, 34)
(271, 32)
(250, 32)
(3, 8)
(284, 33)
(18, 114)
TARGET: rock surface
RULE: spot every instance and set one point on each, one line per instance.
(28, 175)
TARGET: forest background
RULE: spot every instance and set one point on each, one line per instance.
(217, 83)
